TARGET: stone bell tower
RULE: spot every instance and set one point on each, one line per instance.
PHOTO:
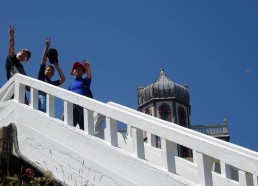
(166, 100)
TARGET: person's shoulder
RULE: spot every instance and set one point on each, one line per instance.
(87, 78)
(11, 57)
(13, 60)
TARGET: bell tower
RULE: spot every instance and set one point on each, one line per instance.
(166, 100)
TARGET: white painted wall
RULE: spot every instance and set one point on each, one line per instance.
(77, 158)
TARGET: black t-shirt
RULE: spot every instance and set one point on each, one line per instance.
(43, 77)
(12, 66)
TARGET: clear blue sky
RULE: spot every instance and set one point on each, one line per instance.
(211, 46)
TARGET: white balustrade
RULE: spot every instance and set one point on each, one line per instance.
(138, 144)
(205, 148)
(169, 152)
(34, 98)
(111, 131)
(50, 105)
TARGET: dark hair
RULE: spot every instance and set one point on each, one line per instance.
(27, 51)
(51, 66)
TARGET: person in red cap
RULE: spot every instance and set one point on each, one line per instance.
(81, 86)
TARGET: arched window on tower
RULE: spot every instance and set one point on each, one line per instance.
(182, 117)
(165, 112)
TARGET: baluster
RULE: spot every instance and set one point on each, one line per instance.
(255, 180)
(129, 130)
(225, 169)
(88, 121)
(50, 105)
(194, 157)
(138, 144)
(68, 113)
(242, 178)
(225, 129)
(111, 131)
(34, 98)
(19, 94)
(169, 152)
(217, 130)
(204, 169)
(151, 139)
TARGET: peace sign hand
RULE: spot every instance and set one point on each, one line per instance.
(11, 30)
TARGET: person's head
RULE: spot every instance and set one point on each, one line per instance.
(77, 69)
(23, 55)
(49, 71)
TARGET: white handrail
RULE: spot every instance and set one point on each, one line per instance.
(203, 146)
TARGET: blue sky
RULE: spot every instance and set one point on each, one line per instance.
(211, 46)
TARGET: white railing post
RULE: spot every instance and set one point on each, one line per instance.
(88, 121)
(242, 178)
(50, 110)
(129, 130)
(111, 131)
(204, 169)
(19, 93)
(169, 152)
(194, 157)
(68, 113)
(138, 144)
(34, 98)
(255, 180)
(225, 169)
(151, 139)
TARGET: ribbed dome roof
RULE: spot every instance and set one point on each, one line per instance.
(163, 88)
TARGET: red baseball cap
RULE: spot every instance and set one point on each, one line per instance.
(77, 64)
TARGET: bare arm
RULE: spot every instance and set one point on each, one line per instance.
(87, 68)
(44, 56)
(61, 74)
(11, 51)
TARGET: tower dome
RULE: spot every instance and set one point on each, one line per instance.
(163, 88)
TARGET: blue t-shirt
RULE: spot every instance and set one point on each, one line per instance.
(79, 85)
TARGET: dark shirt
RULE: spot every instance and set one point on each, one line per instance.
(12, 66)
(43, 77)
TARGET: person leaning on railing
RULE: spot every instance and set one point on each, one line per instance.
(80, 85)
(14, 61)
(47, 72)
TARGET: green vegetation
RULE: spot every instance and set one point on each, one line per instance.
(28, 178)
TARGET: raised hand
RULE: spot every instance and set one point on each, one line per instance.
(47, 42)
(11, 30)
(86, 64)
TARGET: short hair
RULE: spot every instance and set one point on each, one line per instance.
(51, 66)
(27, 51)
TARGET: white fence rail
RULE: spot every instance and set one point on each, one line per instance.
(205, 148)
